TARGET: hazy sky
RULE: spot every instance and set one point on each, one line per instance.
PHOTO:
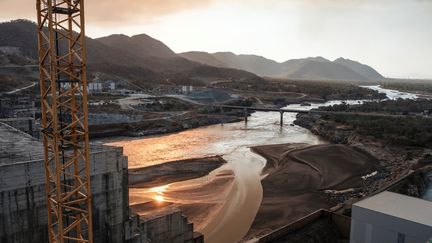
(393, 36)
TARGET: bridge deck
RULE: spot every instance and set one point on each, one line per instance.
(282, 110)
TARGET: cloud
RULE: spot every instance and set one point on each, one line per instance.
(109, 12)
(131, 11)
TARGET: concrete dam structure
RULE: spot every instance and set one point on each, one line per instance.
(23, 216)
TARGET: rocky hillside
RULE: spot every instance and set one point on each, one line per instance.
(140, 59)
(141, 45)
(143, 59)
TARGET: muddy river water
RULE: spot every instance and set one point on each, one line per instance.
(240, 199)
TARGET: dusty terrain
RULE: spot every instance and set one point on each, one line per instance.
(395, 161)
(297, 176)
(163, 174)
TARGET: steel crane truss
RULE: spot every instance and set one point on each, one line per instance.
(63, 88)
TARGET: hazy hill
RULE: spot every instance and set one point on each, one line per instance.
(362, 69)
(140, 58)
(22, 34)
(141, 45)
(203, 57)
(315, 68)
(252, 63)
(293, 65)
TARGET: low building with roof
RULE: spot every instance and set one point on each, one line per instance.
(391, 217)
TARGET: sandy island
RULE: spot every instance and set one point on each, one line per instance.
(298, 174)
(169, 172)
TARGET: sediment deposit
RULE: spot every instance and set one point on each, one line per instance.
(297, 177)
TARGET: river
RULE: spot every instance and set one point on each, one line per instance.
(239, 202)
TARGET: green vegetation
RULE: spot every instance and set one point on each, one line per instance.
(422, 86)
(399, 106)
(327, 90)
(407, 131)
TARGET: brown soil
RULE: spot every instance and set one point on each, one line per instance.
(169, 172)
(297, 176)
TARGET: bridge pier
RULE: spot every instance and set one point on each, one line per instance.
(281, 118)
(245, 115)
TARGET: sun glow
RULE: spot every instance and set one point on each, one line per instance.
(158, 193)
(159, 198)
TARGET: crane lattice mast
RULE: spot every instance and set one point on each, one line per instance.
(63, 88)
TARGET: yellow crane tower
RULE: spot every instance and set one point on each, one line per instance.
(63, 89)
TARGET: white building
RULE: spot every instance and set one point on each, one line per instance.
(94, 87)
(186, 89)
(393, 218)
(112, 86)
(9, 50)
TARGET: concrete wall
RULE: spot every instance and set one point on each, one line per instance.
(106, 119)
(319, 226)
(172, 227)
(25, 124)
(23, 214)
(368, 226)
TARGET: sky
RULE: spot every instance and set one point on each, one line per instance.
(392, 36)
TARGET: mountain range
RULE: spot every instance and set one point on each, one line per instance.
(145, 60)
(311, 68)
(140, 59)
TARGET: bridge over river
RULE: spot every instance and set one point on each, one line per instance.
(247, 109)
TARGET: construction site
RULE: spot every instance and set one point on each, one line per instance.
(62, 189)
(109, 162)
(23, 197)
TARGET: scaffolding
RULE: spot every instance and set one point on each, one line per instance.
(62, 66)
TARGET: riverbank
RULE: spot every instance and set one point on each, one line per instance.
(161, 126)
(164, 122)
(175, 171)
(395, 160)
(297, 177)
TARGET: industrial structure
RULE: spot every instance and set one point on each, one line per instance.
(19, 112)
(63, 88)
(47, 186)
(23, 216)
(391, 217)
